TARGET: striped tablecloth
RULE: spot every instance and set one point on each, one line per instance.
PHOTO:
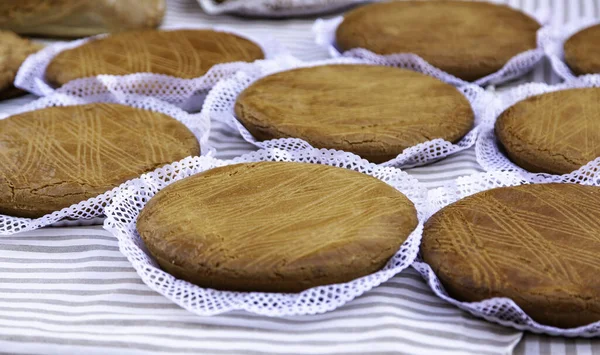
(70, 290)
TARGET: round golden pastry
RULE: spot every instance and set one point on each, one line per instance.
(275, 226)
(182, 53)
(554, 133)
(467, 39)
(13, 52)
(373, 111)
(79, 18)
(55, 157)
(535, 244)
(582, 51)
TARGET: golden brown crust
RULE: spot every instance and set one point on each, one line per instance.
(465, 38)
(373, 111)
(30, 11)
(582, 51)
(78, 18)
(13, 52)
(275, 227)
(535, 244)
(52, 158)
(183, 54)
(555, 133)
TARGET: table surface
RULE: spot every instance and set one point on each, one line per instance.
(70, 290)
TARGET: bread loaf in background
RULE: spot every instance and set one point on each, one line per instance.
(78, 18)
(13, 51)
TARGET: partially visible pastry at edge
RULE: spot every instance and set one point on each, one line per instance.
(582, 51)
(556, 132)
(373, 111)
(275, 226)
(54, 157)
(79, 18)
(13, 52)
(467, 39)
(535, 244)
(180, 53)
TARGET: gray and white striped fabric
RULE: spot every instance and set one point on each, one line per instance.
(70, 290)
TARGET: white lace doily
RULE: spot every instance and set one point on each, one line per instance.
(275, 8)
(88, 212)
(324, 31)
(554, 41)
(499, 310)
(130, 199)
(489, 153)
(186, 93)
(220, 102)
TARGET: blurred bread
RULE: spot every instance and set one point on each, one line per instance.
(78, 18)
(13, 51)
